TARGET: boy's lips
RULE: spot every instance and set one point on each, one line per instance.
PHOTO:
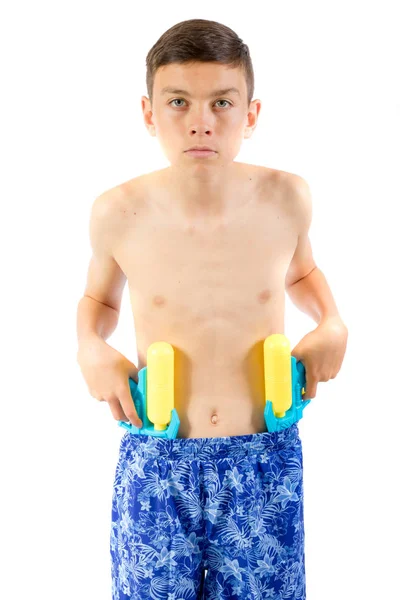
(198, 147)
(200, 152)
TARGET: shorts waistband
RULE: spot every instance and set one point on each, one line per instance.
(148, 446)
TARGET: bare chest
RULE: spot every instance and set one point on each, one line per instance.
(189, 281)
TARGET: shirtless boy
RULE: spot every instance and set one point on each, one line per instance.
(208, 247)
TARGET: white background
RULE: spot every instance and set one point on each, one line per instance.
(71, 127)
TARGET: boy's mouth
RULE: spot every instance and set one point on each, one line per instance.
(200, 152)
(199, 147)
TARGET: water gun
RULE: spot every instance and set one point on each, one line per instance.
(153, 395)
(284, 379)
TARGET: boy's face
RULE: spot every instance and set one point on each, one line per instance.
(196, 116)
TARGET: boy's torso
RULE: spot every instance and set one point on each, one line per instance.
(213, 289)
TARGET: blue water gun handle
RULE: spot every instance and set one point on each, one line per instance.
(139, 397)
(295, 412)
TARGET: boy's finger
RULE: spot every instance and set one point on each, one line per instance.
(116, 409)
(311, 390)
(128, 407)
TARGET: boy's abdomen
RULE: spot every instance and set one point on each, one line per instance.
(218, 371)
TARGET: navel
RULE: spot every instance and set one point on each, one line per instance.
(214, 419)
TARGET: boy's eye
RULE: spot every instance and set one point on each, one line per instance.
(182, 100)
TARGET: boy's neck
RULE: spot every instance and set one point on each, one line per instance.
(209, 189)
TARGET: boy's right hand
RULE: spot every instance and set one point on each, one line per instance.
(107, 373)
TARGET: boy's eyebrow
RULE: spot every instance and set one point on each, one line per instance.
(171, 90)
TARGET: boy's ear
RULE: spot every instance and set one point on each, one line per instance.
(252, 117)
(148, 115)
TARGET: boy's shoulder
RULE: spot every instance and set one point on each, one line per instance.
(116, 198)
(277, 179)
(119, 191)
(285, 187)
(285, 178)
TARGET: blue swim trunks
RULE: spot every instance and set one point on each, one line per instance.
(209, 518)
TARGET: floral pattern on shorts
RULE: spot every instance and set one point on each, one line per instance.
(230, 505)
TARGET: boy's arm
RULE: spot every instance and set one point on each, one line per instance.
(322, 350)
(98, 309)
(305, 283)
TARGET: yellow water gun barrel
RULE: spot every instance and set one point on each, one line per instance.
(160, 384)
(278, 373)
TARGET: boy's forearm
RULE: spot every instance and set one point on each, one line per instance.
(95, 320)
(312, 295)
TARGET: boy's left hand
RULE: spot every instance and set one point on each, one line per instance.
(322, 351)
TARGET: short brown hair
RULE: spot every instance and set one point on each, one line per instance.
(199, 40)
